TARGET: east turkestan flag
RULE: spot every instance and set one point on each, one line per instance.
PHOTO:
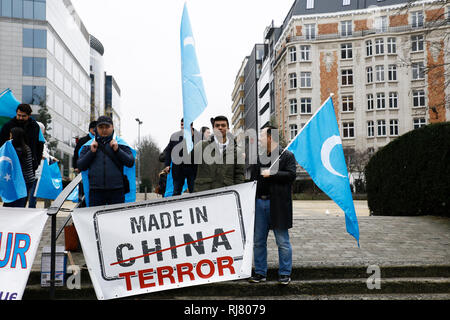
(50, 184)
(318, 149)
(12, 183)
(194, 96)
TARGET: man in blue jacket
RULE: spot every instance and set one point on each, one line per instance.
(103, 158)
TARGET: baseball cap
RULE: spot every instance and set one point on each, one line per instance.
(104, 120)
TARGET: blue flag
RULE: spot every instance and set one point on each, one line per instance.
(74, 195)
(8, 106)
(169, 184)
(50, 184)
(12, 183)
(318, 149)
(194, 96)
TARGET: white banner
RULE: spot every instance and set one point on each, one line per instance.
(20, 234)
(170, 243)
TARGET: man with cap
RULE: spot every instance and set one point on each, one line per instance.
(103, 162)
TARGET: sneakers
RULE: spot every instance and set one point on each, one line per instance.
(284, 280)
(257, 278)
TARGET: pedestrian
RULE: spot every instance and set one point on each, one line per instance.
(273, 208)
(102, 162)
(183, 167)
(24, 120)
(50, 159)
(220, 165)
(17, 135)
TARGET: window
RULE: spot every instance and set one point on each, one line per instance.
(381, 101)
(305, 53)
(418, 98)
(17, 8)
(39, 10)
(419, 123)
(34, 67)
(348, 129)
(28, 9)
(293, 128)
(379, 46)
(418, 71)
(346, 2)
(370, 129)
(379, 70)
(346, 51)
(292, 80)
(310, 4)
(393, 127)
(35, 38)
(381, 128)
(293, 54)
(305, 79)
(293, 106)
(393, 100)
(369, 72)
(392, 45)
(347, 77)
(417, 19)
(305, 105)
(369, 48)
(33, 94)
(310, 31)
(381, 24)
(346, 28)
(347, 104)
(417, 43)
(392, 72)
(370, 102)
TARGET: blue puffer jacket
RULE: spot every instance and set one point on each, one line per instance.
(103, 172)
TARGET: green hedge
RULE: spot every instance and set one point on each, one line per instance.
(411, 175)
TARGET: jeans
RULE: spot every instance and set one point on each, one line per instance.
(179, 175)
(262, 227)
(106, 197)
(32, 199)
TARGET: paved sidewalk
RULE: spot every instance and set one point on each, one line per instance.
(321, 239)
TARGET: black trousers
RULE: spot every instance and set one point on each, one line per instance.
(182, 173)
(103, 197)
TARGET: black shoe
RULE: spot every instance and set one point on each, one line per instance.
(284, 280)
(257, 278)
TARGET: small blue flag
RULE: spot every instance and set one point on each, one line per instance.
(12, 183)
(318, 149)
(74, 195)
(194, 96)
(50, 184)
(8, 106)
(169, 185)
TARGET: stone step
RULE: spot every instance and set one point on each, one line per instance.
(243, 289)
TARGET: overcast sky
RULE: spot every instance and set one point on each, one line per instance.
(142, 52)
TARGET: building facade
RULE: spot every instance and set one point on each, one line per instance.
(112, 102)
(237, 104)
(44, 58)
(384, 61)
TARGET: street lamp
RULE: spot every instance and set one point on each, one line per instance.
(138, 182)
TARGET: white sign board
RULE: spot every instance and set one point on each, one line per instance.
(20, 234)
(166, 244)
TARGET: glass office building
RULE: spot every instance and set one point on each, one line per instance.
(45, 57)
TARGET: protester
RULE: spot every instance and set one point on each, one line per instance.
(206, 133)
(81, 142)
(183, 166)
(17, 135)
(45, 156)
(102, 162)
(32, 132)
(273, 210)
(220, 165)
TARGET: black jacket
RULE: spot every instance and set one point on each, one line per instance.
(280, 189)
(80, 143)
(103, 172)
(32, 130)
(175, 139)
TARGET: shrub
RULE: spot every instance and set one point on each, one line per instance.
(411, 175)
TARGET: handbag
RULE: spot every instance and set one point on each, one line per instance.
(126, 182)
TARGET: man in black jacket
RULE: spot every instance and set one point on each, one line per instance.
(273, 209)
(23, 120)
(104, 159)
(81, 143)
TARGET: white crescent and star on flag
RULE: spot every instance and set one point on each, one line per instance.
(325, 153)
(7, 176)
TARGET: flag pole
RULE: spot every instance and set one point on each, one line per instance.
(320, 108)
